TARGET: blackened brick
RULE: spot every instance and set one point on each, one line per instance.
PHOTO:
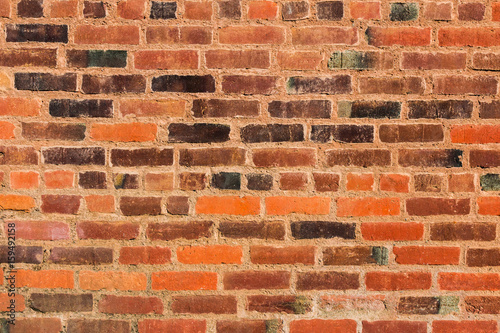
(142, 157)
(163, 10)
(75, 156)
(92, 108)
(330, 10)
(96, 58)
(446, 158)
(94, 9)
(369, 109)
(198, 133)
(300, 109)
(53, 131)
(259, 230)
(342, 133)
(45, 33)
(45, 82)
(340, 84)
(23, 254)
(322, 229)
(81, 255)
(93, 84)
(61, 302)
(186, 83)
(259, 182)
(227, 180)
(92, 180)
(272, 133)
(450, 109)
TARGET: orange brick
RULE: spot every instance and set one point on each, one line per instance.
(469, 281)
(230, 205)
(59, 179)
(184, 280)
(395, 231)
(10, 106)
(398, 280)
(427, 255)
(24, 179)
(365, 10)
(150, 108)
(495, 11)
(216, 254)
(323, 325)
(464, 326)
(45, 279)
(131, 9)
(62, 9)
(265, 10)
(100, 203)
(475, 134)
(360, 182)
(5, 302)
(4, 8)
(159, 181)
(131, 132)
(489, 205)
(91, 280)
(166, 59)
(198, 10)
(7, 130)
(394, 183)
(16, 202)
(298, 205)
(306, 60)
(367, 206)
(107, 34)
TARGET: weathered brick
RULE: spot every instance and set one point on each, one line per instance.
(327, 281)
(322, 229)
(112, 280)
(177, 205)
(45, 33)
(411, 133)
(463, 231)
(355, 255)
(330, 10)
(369, 109)
(186, 83)
(471, 11)
(398, 281)
(300, 60)
(237, 59)
(28, 58)
(93, 84)
(171, 325)
(96, 58)
(23, 254)
(152, 108)
(323, 325)
(342, 133)
(208, 108)
(53, 131)
(437, 206)
(61, 302)
(212, 156)
(41, 230)
(81, 255)
(360, 60)
(290, 181)
(98, 325)
(249, 84)
(93, 9)
(295, 10)
(404, 11)
(444, 158)
(484, 158)
(324, 35)
(142, 157)
(272, 133)
(300, 109)
(279, 304)
(204, 304)
(107, 230)
(465, 85)
(190, 181)
(447, 109)
(131, 206)
(163, 10)
(391, 85)
(198, 10)
(159, 181)
(130, 304)
(249, 280)
(360, 157)
(45, 82)
(75, 156)
(482, 304)
(326, 182)
(406, 36)
(148, 255)
(428, 60)
(230, 9)
(166, 59)
(126, 181)
(394, 326)
(282, 255)
(60, 204)
(340, 84)
(226, 180)
(30, 8)
(92, 108)
(259, 230)
(483, 257)
(284, 157)
(198, 133)
(107, 34)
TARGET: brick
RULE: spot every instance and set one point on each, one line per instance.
(5, 8)
(142, 157)
(282, 255)
(53, 131)
(50, 325)
(469, 85)
(324, 36)
(421, 305)
(61, 302)
(490, 182)
(131, 9)
(258, 230)
(24, 179)
(475, 134)
(368, 206)
(63, 9)
(394, 326)
(437, 206)
(134, 206)
(259, 182)
(440, 11)
(125, 132)
(359, 182)
(293, 181)
(12, 155)
(484, 158)
(468, 36)
(332, 303)
(322, 229)
(445, 326)
(482, 304)
(45, 279)
(445, 158)
(130, 304)
(486, 61)
(178, 59)
(60, 204)
(45, 82)
(264, 10)
(294, 10)
(198, 133)
(330, 10)
(272, 133)
(249, 280)
(98, 325)
(186, 83)
(252, 34)
(429, 61)
(395, 231)
(108, 34)
(204, 304)
(405, 36)
(411, 133)
(126, 181)
(355, 255)
(360, 60)
(323, 325)
(44, 33)
(279, 304)
(342, 133)
(41, 230)
(161, 10)
(398, 281)
(30, 8)
(94, 9)
(93, 84)
(10, 106)
(96, 58)
(5, 302)
(462, 231)
(471, 11)
(468, 281)
(237, 59)
(360, 157)
(299, 60)
(146, 255)
(198, 10)
(394, 183)
(91, 108)
(230, 9)
(327, 281)
(340, 84)
(297, 205)
(228, 205)
(184, 280)
(391, 85)
(212, 157)
(447, 109)
(179, 35)
(191, 181)
(28, 58)
(112, 280)
(461, 183)
(208, 108)
(148, 108)
(23, 254)
(107, 230)
(427, 255)
(365, 10)
(326, 182)
(176, 230)
(483, 257)
(300, 109)
(172, 325)
(284, 157)
(100, 203)
(404, 11)
(216, 254)
(428, 183)
(81, 255)
(369, 109)
(495, 11)
(159, 181)
(226, 180)
(249, 84)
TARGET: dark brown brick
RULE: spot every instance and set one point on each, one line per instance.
(184, 84)
(444, 158)
(462, 231)
(437, 206)
(177, 205)
(220, 108)
(248, 325)
(28, 58)
(60, 204)
(81, 255)
(472, 11)
(212, 156)
(327, 281)
(483, 257)
(428, 183)
(131, 206)
(93, 84)
(355, 255)
(45, 82)
(259, 230)
(92, 180)
(126, 181)
(449, 109)
(230, 9)
(107, 230)
(259, 182)
(272, 133)
(142, 157)
(296, 10)
(163, 10)
(418, 305)
(358, 157)
(322, 229)
(411, 133)
(204, 304)
(92, 108)
(330, 10)
(484, 158)
(61, 302)
(175, 230)
(326, 182)
(342, 133)
(198, 133)
(192, 181)
(489, 110)
(339, 84)
(226, 181)
(482, 304)
(93, 9)
(240, 280)
(45, 33)
(98, 325)
(279, 304)
(22, 254)
(96, 58)
(130, 304)
(30, 8)
(293, 181)
(249, 84)
(369, 109)
(53, 131)
(300, 109)
(75, 156)
(11, 155)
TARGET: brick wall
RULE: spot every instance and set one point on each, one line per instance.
(251, 166)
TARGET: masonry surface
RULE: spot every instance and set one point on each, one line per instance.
(250, 166)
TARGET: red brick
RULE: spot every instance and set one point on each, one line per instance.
(293, 181)
(260, 254)
(368, 206)
(172, 325)
(7, 130)
(24, 179)
(163, 59)
(488, 205)
(251, 35)
(40, 230)
(176, 230)
(33, 324)
(440, 11)
(323, 325)
(184, 280)
(147, 255)
(437, 206)
(427, 255)
(284, 157)
(391, 85)
(256, 280)
(107, 230)
(465, 326)
(215, 254)
(428, 60)
(45, 279)
(394, 183)
(327, 280)
(406, 36)
(324, 36)
(198, 10)
(475, 134)
(395, 231)
(237, 59)
(149, 108)
(468, 85)
(300, 60)
(326, 182)
(394, 326)
(472, 11)
(360, 182)
(469, 36)
(469, 281)
(265, 10)
(122, 35)
(398, 281)
(159, 181)
(129, 281)
(298, 205)
(365, 10)
(495, 11)
(130, 304)
(61, 204)
(247, 325)
(204, 304)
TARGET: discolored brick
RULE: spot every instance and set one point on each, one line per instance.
(212, 156)
(45, 33)
(30, 8)
(490, 182)
(92, 180)
(355, 255)
(445, 158)
(226, 180)
(361, 157)
(327, 281)
(92, 108)
(322, 229)
(462, 231)
(81, 255)
(163, 10)
(23, 254)
(428, 183)
(295, 10)
(207, 108)
(411, 133)
(177, 205)
(258, 230)
(131, 206)
(340, 84)
(190, 181)
(342, 133)
(184, 84)
(93, 9)
(75, 156)
(93, 84)
(300, 109)
(61, 302)
(171, 231)
(447, 109)
(330, 10)
(53, 131)
(369, 109)
(360, 60)
(198, 133)
(259, 182)
(230, 9)
(404, 11)
(142, 157)
(96, 58)
(272, 133)
(45, 82)
(126, 181)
